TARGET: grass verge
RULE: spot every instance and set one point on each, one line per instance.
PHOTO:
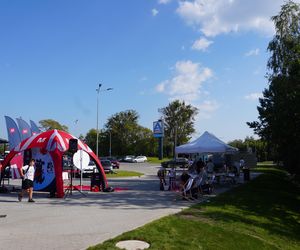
(263, 214)
(156, 160)
(123, 173)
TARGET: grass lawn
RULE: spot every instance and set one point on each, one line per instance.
(123, 173)
(263, 214)
(156, 160)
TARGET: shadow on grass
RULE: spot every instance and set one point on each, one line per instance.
(270, 202)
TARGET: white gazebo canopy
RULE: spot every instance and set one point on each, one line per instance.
(206, 143)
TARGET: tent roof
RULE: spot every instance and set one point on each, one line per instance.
(206, 143)
(50, 141)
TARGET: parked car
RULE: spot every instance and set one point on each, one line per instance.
(128, 158)
(140, 158)
(178, 162)
(87, 171)
(107, 166)
(114, 162)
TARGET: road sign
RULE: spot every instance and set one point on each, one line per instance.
(158, 129)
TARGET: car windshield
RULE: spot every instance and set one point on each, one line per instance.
(105, 163)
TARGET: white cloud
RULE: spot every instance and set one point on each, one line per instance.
(161, 87)
(201, 44)
(154, 12)
(224, 16)
(164, 1)
(253, 96)
(253, 52)
(187, 81)
(207, 108)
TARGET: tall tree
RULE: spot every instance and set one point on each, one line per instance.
(146, 144)
(127, 136)
(279, 109)
(258, 146)
(123, 127)
(49, 124)
(179, 121)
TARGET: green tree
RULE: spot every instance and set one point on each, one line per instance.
(238, 143)
(279, 109)
(123, 127)
(127, 136)
(49, 124)
(179, 121)
(90, 139)
(146, 144)
(257, 146)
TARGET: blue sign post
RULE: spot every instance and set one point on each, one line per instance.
(158, 132)
(158, 129)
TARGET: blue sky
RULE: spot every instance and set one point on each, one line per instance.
(212, 54)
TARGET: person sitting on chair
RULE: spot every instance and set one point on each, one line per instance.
(184, 178)
(204, 186)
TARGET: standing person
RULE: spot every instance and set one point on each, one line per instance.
(241, 166)
(210, 166)
(27, 174)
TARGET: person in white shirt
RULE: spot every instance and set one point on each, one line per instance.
(27, 174)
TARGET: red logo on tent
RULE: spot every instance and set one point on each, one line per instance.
(12, 130)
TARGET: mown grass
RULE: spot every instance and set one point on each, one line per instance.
(263, 214)
(123, 173)
(156, 160)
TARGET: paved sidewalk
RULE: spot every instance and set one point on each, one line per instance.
(78, 222)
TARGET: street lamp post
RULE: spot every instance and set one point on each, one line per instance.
(98, 91)
(109, 142)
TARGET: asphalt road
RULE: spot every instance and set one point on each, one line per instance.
(146, 168)
(81, 221)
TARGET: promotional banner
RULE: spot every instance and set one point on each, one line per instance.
(24, 128)
(44, 179)
(13, 133)
(34, 128)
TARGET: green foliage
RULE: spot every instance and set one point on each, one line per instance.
(263, 214)
(126, 135)
(49, 124)
(258, 146)
(156, 160)
(123, 173)
(90, 139)
(279, 110)
(179, 121)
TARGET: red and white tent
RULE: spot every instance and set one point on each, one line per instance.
(54, 142)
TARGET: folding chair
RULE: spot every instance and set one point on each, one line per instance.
(186, 192)
(198, 183)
